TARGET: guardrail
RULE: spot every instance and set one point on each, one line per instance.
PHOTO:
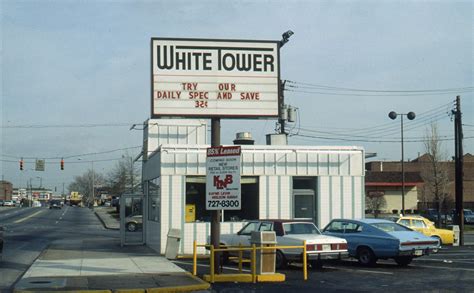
(240, 249)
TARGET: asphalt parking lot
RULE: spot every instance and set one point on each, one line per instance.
(450, 270)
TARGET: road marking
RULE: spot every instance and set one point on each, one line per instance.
(24, 219)
(204, 265)
(444, 268)
(358, 270)
(464, 260)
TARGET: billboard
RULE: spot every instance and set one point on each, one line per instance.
(214, 78)
(223, 178)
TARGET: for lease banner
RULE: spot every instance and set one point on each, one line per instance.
(223, 178)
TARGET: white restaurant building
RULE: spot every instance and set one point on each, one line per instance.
(277, 182)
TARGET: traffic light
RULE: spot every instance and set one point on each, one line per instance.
(21, 164)
(62, 164)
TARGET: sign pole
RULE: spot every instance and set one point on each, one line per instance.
(216, 214)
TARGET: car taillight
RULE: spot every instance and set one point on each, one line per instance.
(339, 246)
(319, 247)
(310, 247)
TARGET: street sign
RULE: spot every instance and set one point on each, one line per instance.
(223, 178)
(214, 78)
(39, 165)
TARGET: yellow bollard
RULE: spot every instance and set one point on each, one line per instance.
(254, 263)
(305, 260)
(240, 258)
(194, 258)
(212, 263)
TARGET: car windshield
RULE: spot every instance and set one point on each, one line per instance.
(300, 228)
(390, 227)
(468, 212)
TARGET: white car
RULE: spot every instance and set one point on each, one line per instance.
(319, 247)
(8, 203)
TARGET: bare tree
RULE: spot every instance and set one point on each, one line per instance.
(434, 172)
(123, 177)
(375, 201)
(85, 183)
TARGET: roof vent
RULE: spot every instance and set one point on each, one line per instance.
(243, 138)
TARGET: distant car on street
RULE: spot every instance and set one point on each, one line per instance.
(8, 203)
(468, 216)
(319, 247)
(425, 226)
(372, 239)
(55, 204)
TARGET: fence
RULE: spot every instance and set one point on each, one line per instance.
(240, 249)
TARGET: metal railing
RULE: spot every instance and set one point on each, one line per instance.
(240, 249)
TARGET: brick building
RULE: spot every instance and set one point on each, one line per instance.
(6, 190)
(382, 169)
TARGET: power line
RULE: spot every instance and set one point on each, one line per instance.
(72, 156)
(35, 126)
(295, 84)
(378, 141)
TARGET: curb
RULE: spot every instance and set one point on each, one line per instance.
(103, 222)
(203, 285)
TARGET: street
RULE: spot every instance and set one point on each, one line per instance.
(28, 231)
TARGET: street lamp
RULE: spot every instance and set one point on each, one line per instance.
(410, 116)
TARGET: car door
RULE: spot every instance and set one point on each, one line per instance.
(420, 226)
(338, 228)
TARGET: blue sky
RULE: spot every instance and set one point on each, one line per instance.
(75, 74)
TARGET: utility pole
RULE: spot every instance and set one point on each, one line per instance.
(458, 155)
(131, 173)
(216, 214)
(282, 110)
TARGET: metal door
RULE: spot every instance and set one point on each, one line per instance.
(303, 204)
(131, 219)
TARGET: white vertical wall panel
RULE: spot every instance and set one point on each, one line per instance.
(357, 197)
(272, 197)
(324, 204)
(357, 165)
(258, 163)
(344, 164)
(347, 204)
(285, 201)
(262, 191)
(323, 166)
(334, 164)
(269, 162)
(165, 209)
(335, 198)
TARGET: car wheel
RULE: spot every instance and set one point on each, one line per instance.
(280, 260)
(366, 257)
(403, 260)
(316, 264)
(131, 227)
(439, 239)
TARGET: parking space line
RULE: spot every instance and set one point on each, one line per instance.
(359, 270)
(445, 268)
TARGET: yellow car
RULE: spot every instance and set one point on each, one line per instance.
(428, 228)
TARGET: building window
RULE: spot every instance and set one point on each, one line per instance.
(196, 201)
(154, 196)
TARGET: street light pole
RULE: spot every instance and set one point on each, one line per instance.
(410, 116)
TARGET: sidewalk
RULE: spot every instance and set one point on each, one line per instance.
(102, 265)
(106, 218)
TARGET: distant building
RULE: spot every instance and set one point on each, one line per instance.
(6, 190)
(386, 169)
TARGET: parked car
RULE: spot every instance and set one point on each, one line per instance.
(432, 215)
(319, 247)
(425, 226)
(8, 203)
(468, 216)
(372, 239)
(134, 223)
